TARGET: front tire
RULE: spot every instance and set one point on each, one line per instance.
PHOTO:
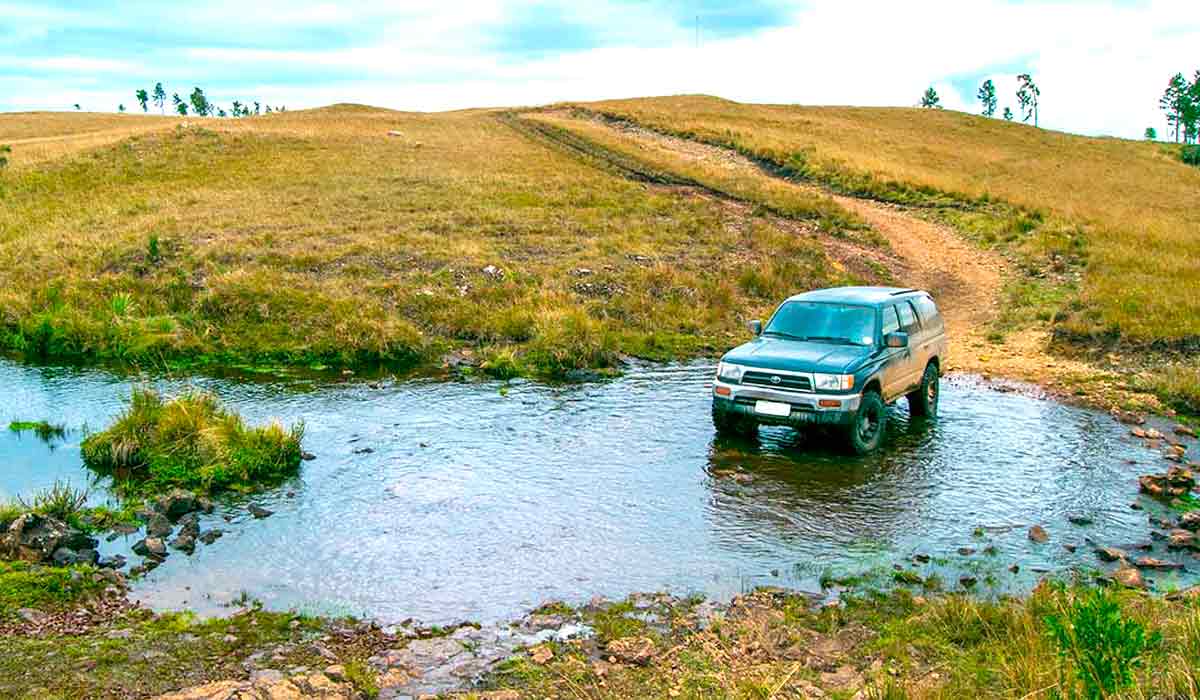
(865, 433)
(729, 423)
(924, 401)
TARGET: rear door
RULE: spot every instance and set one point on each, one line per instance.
(911, 361)
(933, 329)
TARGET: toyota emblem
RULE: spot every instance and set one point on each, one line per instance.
(775, 380)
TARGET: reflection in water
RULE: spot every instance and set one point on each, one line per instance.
(476, 503)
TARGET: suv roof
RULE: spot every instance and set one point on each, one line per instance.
(856, 295)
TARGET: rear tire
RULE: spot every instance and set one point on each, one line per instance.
(865, 433)
(729, 423)
(924, 401)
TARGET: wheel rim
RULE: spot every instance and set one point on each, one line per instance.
(868, 424)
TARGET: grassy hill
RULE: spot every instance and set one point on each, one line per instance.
(315, 237)
(1133, 203)
(351, 235)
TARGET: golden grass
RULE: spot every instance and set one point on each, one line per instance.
(314, 237)
(1135, 200)
(37, 137)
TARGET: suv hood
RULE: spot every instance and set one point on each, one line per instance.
(798, 356)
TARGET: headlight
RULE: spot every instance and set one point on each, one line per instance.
(833, 382)
(729, 373)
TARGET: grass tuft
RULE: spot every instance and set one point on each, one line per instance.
(191, 441)
(45, 430)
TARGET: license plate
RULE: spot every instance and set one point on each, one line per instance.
(773, 408)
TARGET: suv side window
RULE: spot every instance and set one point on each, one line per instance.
(891, 323)
(908, 318)
(928, 312)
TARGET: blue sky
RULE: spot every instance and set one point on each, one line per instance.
(1101, 65)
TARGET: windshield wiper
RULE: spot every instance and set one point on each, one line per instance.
(781, 334)
(829, 338)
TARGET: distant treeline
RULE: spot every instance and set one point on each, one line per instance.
(1028, 96)
(196, 103)
(1181, 103)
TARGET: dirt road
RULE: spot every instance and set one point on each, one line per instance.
(968, 281)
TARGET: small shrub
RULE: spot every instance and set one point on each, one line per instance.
(4, 153)
(1190, 155)
(61, 501)
(1097, 643)
(192, 442)
(153, 254)
(122, 305)
(363, 679)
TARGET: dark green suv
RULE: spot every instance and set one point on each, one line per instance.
(835, 357)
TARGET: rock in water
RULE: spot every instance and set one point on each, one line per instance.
(189, 525)
(176, 504)
(1038, 534)
(211, 536)
(259, 512)
(151, 547)
(1129, 577)
(159, 525)
(1111, 554)
(1182, 539)
(1152, 563)
(1190, 520)
(184, 543)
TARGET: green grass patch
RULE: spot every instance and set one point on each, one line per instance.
(25, 585)
(192, 442)
(45, 430)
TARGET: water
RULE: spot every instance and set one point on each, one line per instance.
(478, 500)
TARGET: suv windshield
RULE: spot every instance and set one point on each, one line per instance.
(830, 323)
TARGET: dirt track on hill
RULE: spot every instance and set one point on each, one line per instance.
(967, 281)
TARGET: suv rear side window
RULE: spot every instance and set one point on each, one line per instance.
(908, 318)
(927, 310)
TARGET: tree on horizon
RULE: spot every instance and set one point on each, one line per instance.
(930, 99)
(987, 96)
(1028, 95)
(143, 98)
(160, 97)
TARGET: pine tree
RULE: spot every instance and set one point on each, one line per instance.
(987, 96)
(1028, 95)
(930, 99)
(160, 97)
(143, 97)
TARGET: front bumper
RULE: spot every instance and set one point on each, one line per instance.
(806, 408)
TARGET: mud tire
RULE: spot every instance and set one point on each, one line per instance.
(924, 401)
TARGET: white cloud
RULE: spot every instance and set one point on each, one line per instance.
(1101, 66)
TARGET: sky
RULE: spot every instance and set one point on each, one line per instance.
(1101, 66)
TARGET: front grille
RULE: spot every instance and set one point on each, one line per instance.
(785, 381)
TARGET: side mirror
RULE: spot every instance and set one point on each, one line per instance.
(896, 340)
(755, 327)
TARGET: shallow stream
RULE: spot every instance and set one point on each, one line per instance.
(450, 500)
